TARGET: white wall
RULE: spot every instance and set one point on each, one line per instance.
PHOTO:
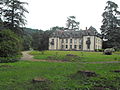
(77, 43)
(56, 45)
(96, 43)
(91, 45)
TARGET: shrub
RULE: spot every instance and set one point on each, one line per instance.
(108, 51)
(9, 59)
(99, 50)
(10, 45)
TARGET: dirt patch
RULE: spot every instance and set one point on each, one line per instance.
(83, 75)
(99, 88)
(116, 71)
(103, 88)
(39, 80)
(41, 83)
(87, 73)
(61, 61)
(71, 57)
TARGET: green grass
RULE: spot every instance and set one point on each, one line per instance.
(61, 75)
(84, 56)
(20, 75)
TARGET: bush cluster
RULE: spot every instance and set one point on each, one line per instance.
(99, 50)
(10, 46)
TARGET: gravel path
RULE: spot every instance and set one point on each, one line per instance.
(27, 56)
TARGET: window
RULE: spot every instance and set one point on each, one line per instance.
(80, 46)
(66, 46)
(62, 40)
(70, 46)
(70, 40)
(66, 40)
(75, 41)
(53, 40)
(62, 46)
(80, 41)
(75, 46)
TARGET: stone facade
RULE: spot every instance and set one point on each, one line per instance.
(82, 40)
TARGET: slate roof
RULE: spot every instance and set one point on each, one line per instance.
(75, 34)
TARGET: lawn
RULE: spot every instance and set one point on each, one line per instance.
(82, 56)
(61, 76)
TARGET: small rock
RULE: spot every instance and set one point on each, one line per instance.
(108, 51)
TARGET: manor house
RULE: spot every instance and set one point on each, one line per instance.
(84, 40)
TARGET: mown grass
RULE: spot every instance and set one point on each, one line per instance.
(20, 74)
(84, 56)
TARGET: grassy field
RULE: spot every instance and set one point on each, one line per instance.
(60, 75)
(81, 56)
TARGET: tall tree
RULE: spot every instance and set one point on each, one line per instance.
(111, 24)
(1, 6)
(57, 28)
(13, 14)
(72, 23)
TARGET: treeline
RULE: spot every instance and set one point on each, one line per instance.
(12, 20)
(37, 39)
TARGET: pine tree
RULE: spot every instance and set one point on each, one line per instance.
(13, 14)
(110, 28)
(72, 24)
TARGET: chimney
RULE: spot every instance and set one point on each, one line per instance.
(86, 28)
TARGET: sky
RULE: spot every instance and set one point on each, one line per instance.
(44, 14)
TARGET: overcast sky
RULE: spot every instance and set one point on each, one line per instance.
(44, 14)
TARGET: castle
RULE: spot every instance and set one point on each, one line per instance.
(81, 40)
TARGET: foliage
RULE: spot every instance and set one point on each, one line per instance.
(10, 44)
(41, 39)
(12, 14)
(37, 40)
(10, 59)
(72, 23)
(27, 41)
(99, 50)
(111, 25)
(56, 28)
(28, 38)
